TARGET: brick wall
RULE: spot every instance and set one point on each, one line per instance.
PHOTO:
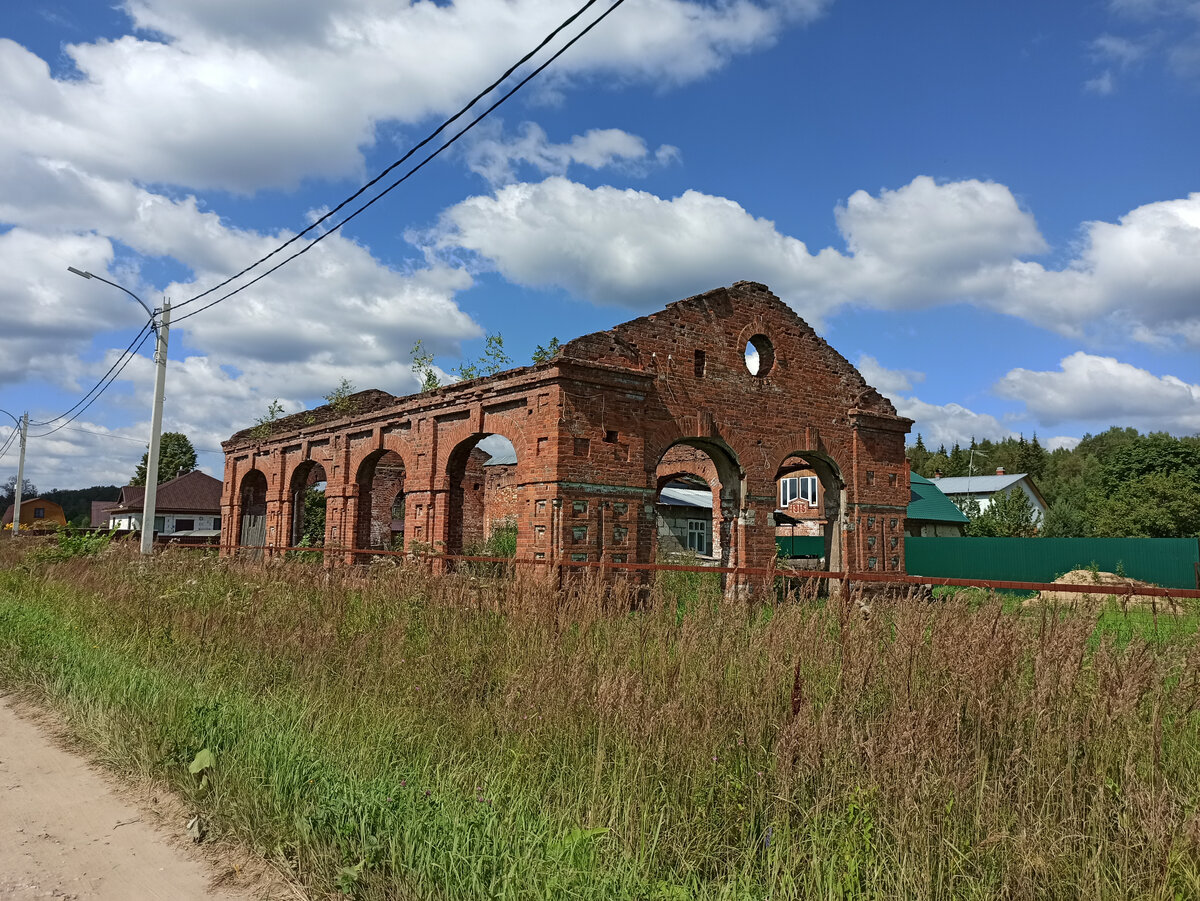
(502, 497)
(596, 428)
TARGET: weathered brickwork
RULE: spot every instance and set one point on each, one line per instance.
(595, 431)
(501, 497)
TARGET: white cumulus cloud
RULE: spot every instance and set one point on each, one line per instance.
(889, 382)
(937, 424)
(1090, 388)
(923, 244)
(245, 96)
(496, 156)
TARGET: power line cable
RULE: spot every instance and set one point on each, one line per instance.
(11, 435)
(446, 124)
(142, 441)
(96, 397)
(410, 172)
(8, 442)
(117, 362)
(140, 339)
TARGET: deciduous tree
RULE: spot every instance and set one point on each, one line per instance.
(176, 457)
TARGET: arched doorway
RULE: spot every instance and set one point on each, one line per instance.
(699, 485)
(252, 529)
(809, 500)
(483, 495)
(306, 502)
(381, 502)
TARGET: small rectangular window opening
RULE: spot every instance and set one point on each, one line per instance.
(699, 363)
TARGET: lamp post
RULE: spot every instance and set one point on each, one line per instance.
(161, 328)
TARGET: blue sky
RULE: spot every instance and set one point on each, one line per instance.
(988, 208)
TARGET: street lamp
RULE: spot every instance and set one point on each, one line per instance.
(161, 329)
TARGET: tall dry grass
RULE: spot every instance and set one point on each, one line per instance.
(393, 734)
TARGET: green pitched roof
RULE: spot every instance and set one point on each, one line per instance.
(929, 504)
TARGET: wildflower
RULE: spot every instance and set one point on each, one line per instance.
(767, 837)
(714, 759)
(403, 783)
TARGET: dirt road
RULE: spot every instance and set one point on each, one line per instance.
(67, 833)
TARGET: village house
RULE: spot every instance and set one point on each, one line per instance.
(187, 506)
(36, 514)
(930, 513)
(983, 489)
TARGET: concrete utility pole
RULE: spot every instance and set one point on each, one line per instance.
(149, 501)
(20, 476)
(161, 328)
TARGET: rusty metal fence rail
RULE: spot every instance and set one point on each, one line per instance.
(273, 554)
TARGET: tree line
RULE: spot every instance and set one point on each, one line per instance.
(1119, 483)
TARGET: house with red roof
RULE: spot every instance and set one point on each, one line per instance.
(187, 506)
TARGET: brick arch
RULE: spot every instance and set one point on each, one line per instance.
(251, 508)
(451, 440)
(728, 475)
(401, 447)
(379, 477)
(303, 474)
(833, 496)
(464, 483)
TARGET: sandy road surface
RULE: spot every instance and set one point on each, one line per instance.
(67, 833)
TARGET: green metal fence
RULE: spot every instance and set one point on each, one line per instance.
(801, 545)
(1169, 562)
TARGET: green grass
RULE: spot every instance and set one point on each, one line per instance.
(393, 735)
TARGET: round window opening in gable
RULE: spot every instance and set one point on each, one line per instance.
(760, 355)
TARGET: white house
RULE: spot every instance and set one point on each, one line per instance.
(188, 505)
(983, 488)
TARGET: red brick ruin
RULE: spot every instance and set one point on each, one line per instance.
(598, 430)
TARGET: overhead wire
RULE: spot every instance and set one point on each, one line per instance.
(16, 429)
(410, 172)
(8, 442)
(135, 345)
(446, 124)
(143, 441)
(83, 409)
(118, 362)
